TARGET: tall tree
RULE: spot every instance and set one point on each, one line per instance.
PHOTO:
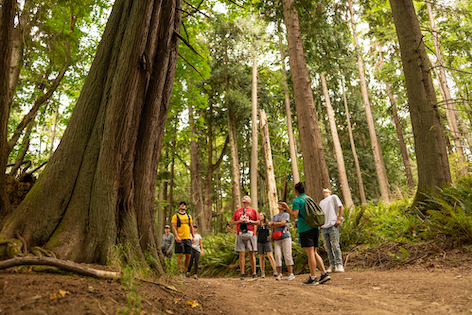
(450, 107)
(255, 133)
(433, 165)
(378, 159)
(269, 165)
(337, 145)
(7, 13)
(314, 161)
(98, 188)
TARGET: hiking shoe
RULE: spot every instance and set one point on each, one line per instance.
(243, 276)
(254, 276)
(324, 278)
(279, 277)
(262, 275)
(187, 275)
(339, 268)
(290, 277)
(196, 278)
(311, 281)
(330, 269)
(276, 274)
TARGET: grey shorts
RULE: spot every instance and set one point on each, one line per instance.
(263, 248)
(249, 245)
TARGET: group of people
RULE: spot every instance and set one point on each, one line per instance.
(250, 239)
(255, 232)
(187, 242)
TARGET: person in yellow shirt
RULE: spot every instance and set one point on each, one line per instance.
(182, 227)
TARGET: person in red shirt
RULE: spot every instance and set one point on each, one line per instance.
(246, 218)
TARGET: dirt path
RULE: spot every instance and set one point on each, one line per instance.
(405, 291)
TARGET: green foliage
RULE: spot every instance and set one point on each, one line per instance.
(220, 259)
(450, 211)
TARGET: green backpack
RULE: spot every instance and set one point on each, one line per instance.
(315, 216)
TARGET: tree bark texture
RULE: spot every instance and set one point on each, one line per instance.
(255, 135)
(314, 161)
(376, 150)
(291, 138)
(233, 145)
(430, 148)
(98, 188)
(7, 13)
(354, 153)
(337, 146)
(271, 184)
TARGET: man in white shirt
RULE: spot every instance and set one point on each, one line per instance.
(334, 210)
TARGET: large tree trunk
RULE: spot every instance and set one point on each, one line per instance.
(196, 183)
(255, 135)
(98, 188)
(7, 13)
(378, 159)
(337, 146)
(450, 106)
(271, 184)
(433, 165)
(354, 153)
(316, 170)
(291, 138)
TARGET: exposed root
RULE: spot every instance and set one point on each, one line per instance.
(62, 264)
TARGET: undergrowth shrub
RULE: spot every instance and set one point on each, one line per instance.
(449, 212)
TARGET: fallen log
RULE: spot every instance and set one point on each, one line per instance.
(62, 264)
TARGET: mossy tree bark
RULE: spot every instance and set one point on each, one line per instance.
(98, 188)
(430, 147)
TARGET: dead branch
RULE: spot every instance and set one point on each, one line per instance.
(165, 287)
(186, 43)
(62, 264)
(193, 67)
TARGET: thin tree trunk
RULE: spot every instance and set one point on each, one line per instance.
(450, 106)
(196, 185)
(401, 141)
(291, 138)
(337, 146)
(314, 161)
(433, 165)
(354, 153)
(378, 159)
(271, 184)
(254, 158)
(53, 136)
(98, 188)
(24, 149)
(7, 14)
(209, 177)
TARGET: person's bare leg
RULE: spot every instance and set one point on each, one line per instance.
(187, 260)
(179, 262)
(272, 261)
(262, 263)
(310, 253)
(242, 261)
(252, 260)
(319, 261)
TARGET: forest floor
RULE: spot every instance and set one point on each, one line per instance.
(440, 285)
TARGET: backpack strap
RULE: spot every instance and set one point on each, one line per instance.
(299, 212)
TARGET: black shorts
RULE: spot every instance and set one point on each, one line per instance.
(310, 238)
(184, 247)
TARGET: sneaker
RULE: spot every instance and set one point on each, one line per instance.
(279, 277)
(311, 281)
(275, 274)
(290, 277)
(196, 278)
(243, 276)
(263, 275)
(324, 278)
(254, 276)
(330, 269)
(339, 268)
(187, 275)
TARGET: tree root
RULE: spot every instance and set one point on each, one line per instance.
(62, 264)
